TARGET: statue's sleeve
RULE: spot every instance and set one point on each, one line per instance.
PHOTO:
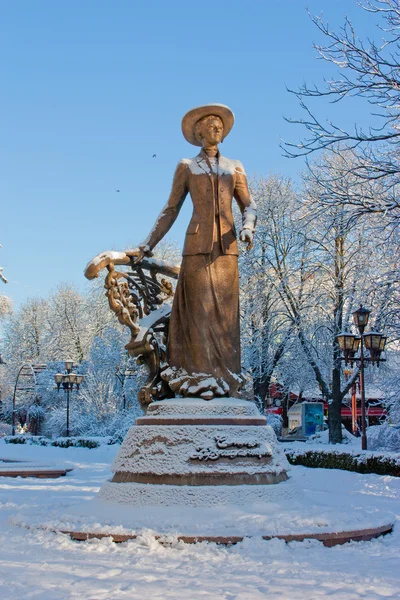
(171, 210)
(242, 196)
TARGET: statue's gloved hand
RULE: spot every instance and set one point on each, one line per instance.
(246, 236)
(144, 250)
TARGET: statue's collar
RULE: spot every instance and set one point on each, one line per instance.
(204, 161)
(203, 154)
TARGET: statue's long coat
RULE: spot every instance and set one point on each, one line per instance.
(204, 334)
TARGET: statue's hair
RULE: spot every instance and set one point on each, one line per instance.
(200, 122)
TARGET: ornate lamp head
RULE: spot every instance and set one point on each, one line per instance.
(375, 342)
(361, 318)
(349, 344)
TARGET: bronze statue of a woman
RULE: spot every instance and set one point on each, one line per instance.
(203, 351)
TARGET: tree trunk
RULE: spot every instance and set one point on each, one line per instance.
(335, 401)
(261, 384)
(285, 407)
(335, 409)
(261, 388)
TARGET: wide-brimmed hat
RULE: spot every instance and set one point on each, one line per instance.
(190, 119)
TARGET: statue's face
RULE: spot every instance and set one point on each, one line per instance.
(211, 131)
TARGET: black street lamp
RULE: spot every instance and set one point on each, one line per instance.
(68, 380)
(349, 344)
(375, 342)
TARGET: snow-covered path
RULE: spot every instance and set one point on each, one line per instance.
(44, 565)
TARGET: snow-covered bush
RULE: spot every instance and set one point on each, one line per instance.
(62, 442)
(119, 426)
(35, 416)
(275, 421)
(33, 440)
(15, 439)
(56, 424)
(76, 442)
(384, 437)
(360, 462)
(322, 437)
(5, 429)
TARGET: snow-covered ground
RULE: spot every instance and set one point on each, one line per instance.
(43, 565)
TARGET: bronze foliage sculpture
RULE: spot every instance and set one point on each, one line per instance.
(139, 299)
(193, 348)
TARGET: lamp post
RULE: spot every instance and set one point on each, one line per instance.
(68, 380)
(350, 344)
(122, 374)
(354, 427)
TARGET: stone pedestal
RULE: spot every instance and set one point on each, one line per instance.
(200, 453)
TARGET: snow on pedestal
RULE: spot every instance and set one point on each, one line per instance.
(199, 453)
(197, 406)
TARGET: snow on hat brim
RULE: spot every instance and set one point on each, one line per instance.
(190, 119)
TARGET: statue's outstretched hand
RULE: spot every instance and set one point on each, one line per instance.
(246, 236)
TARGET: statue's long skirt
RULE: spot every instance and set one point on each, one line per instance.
(204, 333)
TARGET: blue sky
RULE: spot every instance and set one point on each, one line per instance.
(90, 90)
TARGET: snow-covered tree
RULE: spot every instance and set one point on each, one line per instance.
(5, 306)
(102, 391)
(309, 270)
(26, 333)
(349, 255)
(266, 324)
(369, 70)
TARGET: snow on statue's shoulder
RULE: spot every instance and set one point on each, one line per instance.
(230, 166)
(226, 166)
